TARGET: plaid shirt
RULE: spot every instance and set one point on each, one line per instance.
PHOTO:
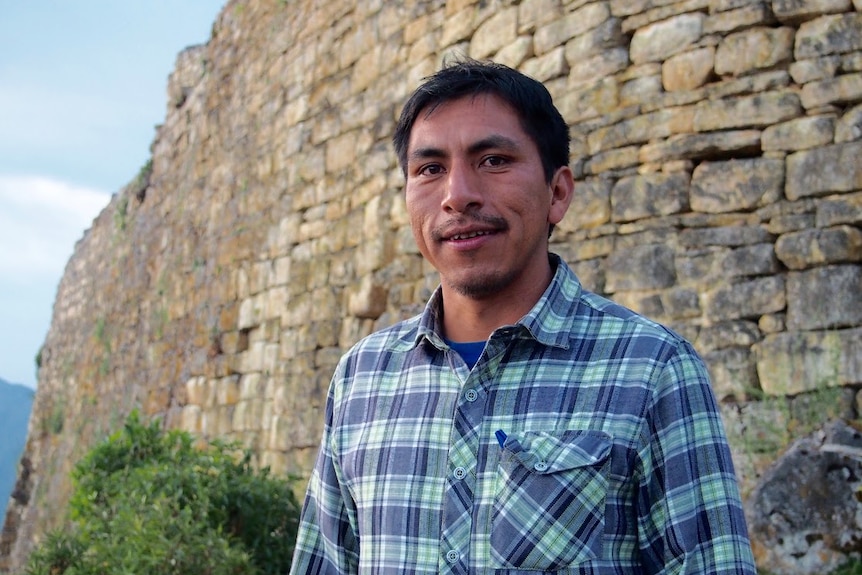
(585, 440)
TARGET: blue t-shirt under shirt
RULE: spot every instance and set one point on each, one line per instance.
(469, 351)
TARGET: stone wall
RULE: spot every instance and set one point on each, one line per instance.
(716, 145)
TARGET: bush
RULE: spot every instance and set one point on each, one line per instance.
(150, 501)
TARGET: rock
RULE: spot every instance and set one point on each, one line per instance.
(805, 515)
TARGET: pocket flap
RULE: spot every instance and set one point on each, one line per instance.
(550, 452)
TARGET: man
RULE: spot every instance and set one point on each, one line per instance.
(520, 424)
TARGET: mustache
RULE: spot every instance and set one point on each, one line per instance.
(484, 221)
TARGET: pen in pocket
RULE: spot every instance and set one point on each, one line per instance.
(501, 437)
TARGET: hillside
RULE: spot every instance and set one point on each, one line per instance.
(16, 402)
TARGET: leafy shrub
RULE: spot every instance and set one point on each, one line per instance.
(150, 501)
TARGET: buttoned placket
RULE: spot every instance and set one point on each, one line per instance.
(458, 502)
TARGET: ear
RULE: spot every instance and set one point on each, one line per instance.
(562, 188)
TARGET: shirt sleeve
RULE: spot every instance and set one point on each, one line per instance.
(690, 515)
(326, 541)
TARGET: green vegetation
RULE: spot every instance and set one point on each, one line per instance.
(150, 501)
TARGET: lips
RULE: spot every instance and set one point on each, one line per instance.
(469, 235)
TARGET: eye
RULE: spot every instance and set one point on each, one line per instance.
(494, 161)
(430, 170)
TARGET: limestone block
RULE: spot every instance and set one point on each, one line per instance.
(495, 33)
(591, 206)
(758, 110)
(701, 267)
(756, 260)
(680, 303)
(842, 89)
(808, 248)
(608, 161)
(227, 390)
(701, 146)
(659, 41)
(250, 312)
(662, 11)
(753, 49)
(688, 70)
(733, 373)
(515, 53)
(799, 134)
(772, 323)
(746, 300)
(845, 209)
(756, 14)
(599, 66)
(728, 334)
(825, 170)
(532, 14)
(369, 301)
(795, 11)
(548, 66)
(638, 197)
(804, 71)
(729, 236)
(642, 267)
(457, 27)
(734, 185)
(640, 89)
(835, 34)
(849, 126)
(639, 129)
(794, 362)
(824, 297)
(590, 100)
(191, 419)
(603, 37)
(559, 31)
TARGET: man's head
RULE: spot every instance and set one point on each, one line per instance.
(528, 97)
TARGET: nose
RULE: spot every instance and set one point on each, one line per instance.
(463, 191)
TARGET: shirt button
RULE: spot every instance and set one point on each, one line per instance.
(471, 395)
(452, 556)
(540, 466)
(460, 473)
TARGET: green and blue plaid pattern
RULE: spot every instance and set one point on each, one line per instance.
(585, 440)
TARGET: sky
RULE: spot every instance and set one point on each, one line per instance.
(83, 85)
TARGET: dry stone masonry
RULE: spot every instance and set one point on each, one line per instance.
(717, 146)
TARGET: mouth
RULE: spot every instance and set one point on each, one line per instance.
(469, 235)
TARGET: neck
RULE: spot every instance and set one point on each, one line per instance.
(467, 318)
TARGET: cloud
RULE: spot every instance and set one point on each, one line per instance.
(40, 221)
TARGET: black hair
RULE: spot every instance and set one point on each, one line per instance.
(529, 98)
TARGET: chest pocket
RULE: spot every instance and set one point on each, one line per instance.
(549, 506)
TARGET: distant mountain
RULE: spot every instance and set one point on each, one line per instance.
(16, 401)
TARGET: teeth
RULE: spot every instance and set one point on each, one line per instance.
(469, 235)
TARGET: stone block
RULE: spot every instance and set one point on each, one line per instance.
(642, 267)
(680, 303)
(641, 128)
(689, 70)
(840, 90)
(812, 69)
(728, 236)
(515, 53)
(605, 36)
(548, 66)
(747, 299)
(735, 185)
(590, 100)
(756, 260)
(733, 373)
(369, 301)
(591, 206)
(799, 134)
(849, 126)
(532, 14)
(495, 33)
(752, 14)
(559, 31)
(813, 247)
(844, 209)
(661, 40)
(753, 49)
(660, 11)
(795, 11)
(794, 362)
(599, 66)
(637, 197)
(607, 162)
(759, 110)
(834, 34)
(728, 334)
(701, 146)
(823, 171)
(825, 297)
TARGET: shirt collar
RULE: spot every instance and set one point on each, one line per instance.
(549, 321)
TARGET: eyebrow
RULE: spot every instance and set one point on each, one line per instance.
(494, 141)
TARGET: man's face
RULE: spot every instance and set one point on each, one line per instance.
(478, 200)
